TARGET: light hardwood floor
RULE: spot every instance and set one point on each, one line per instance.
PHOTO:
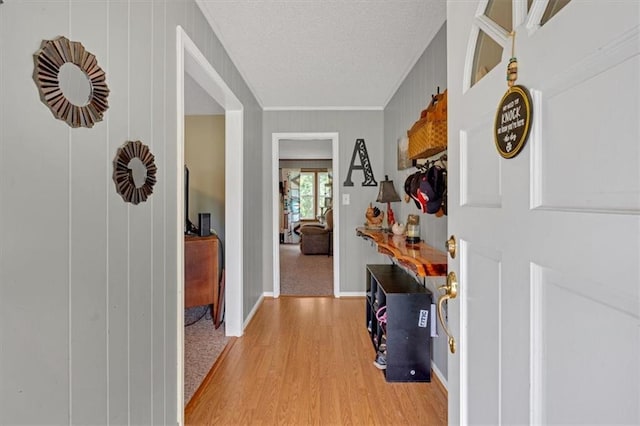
(309, 361)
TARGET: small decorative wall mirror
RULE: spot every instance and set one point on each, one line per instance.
(134, 172)
(70, 82)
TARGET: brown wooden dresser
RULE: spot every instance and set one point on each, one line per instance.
(201, 285)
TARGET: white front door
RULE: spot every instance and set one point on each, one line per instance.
(547, 315)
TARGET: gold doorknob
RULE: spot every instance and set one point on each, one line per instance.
(450, 292)
(452, 247)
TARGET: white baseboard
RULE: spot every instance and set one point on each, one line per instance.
(352, 294)
(253, 312)
(267, 294)
(438, 373)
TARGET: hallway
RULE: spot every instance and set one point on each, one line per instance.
(310, 361)
(304, 275)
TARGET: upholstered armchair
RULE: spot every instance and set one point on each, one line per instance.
(317, 238)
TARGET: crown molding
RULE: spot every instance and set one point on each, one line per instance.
(328, 108)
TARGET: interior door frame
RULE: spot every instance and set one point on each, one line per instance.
(275, 201)
(189, 59)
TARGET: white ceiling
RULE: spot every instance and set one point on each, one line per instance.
(324, 54)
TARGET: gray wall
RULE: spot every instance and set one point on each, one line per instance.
(301, 164)
(87, 282)
(400, 113)
(351, 125)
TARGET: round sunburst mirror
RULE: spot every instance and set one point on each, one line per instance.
(70, 82)
(134, 172)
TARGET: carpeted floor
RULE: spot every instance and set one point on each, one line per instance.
(304, 275)
(202, 346)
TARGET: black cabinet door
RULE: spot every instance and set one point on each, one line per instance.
(408, 338)
(407, 329)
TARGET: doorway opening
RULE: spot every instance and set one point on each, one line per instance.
(190, 61)
(306, 217)
(277, 139)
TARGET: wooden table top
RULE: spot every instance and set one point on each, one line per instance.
(423, 259)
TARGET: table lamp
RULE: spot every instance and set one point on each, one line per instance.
(388, 195)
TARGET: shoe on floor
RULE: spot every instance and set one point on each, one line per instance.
(380, 362)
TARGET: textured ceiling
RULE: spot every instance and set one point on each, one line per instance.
(324, 54)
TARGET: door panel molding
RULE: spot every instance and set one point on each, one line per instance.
(571, 323)
(602, 66)
(535, 145)
(606, 57)
(479, 263)
(598, 182)
(536, 350)
(484, 187)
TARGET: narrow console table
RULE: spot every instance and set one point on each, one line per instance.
(201, 284)
(422, 259)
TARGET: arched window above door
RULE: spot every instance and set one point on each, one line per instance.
(487, 55)
(492, 26)
(550, 8)
(500, 12)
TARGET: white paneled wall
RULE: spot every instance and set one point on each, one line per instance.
(87, 282)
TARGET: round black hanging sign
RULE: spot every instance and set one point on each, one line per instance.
(513, 121)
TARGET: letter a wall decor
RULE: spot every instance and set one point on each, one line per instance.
(365, 165)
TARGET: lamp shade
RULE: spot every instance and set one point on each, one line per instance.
(387, 192)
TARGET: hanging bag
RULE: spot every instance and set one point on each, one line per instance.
(428, 135)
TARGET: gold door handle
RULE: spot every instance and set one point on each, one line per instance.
(451, 292)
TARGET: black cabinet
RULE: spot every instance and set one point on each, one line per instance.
(398, 323)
